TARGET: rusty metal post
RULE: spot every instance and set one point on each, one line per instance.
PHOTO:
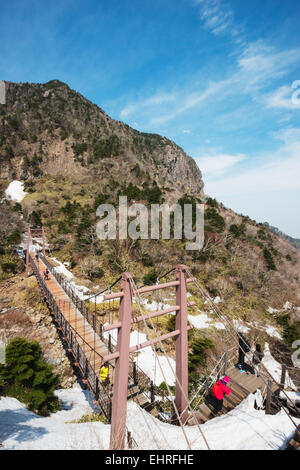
(27, 253)
(181, 394)
(44, 241)
(119, 401)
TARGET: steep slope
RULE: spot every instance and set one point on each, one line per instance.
(49, 129)
(72, 157)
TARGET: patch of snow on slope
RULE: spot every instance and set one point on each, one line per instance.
(275, 368)
(23, 429)
(273, 332)
(242, 428)
(158, 369)
(15, 191)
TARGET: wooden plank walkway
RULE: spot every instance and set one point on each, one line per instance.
(94, 349)
(241, 386)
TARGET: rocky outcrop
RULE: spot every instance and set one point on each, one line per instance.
(53, 130)
(33, 323)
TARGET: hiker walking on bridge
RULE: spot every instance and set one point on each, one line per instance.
(244, 347)
(104, 374)
(218, 391)
(257, 357)
(46, 275)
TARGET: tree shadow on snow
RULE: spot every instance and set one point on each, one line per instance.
(11, 426)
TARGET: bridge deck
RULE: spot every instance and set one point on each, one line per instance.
(90, 342)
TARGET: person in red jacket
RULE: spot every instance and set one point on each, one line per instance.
(218, 391)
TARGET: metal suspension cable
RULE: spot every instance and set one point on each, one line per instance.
(176, 378)
(223, 319)
(207, 378)
(102, 292)
(159, 278)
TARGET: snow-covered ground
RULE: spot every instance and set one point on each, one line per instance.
(15, 191)
(204, 321)
(159, 369)
(275, 368)
(242, 428)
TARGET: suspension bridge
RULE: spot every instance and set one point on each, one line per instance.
(91, 345)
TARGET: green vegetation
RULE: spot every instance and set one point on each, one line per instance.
(106, 148)
(197, 358)
(237, 230)
(214, 222)
(291, 331)
(28, 378)
(151, 194)
(150, 277)
(269, 259)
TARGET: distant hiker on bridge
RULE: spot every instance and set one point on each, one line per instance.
(257, 357)
(217, 393)
(46, 275)
(104, 374)
(244, 347)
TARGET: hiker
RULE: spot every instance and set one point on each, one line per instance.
(218, 391)
(244, 347)
(46, 275)
(37, 257)
(104, 374)
(257, 357)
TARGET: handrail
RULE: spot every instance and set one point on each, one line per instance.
(136, 375)
(139, 375)
(71, 335)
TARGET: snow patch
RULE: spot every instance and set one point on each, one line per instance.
(15, 191)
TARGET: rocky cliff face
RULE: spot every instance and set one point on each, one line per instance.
(49, 129)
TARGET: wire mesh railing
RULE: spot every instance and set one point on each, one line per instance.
(77, 344)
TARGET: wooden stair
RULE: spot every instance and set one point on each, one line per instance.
(241, 385)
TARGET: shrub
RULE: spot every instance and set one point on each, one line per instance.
(197, 357)
(237, 230)
(269, 260)
(216, 222)
(150, 278)
(28, 378)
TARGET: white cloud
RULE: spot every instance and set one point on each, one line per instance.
(218, 164)
(156, 100)
(255, 68)
(217, 16)
(282, 98)
(277, 171)
(260, 64)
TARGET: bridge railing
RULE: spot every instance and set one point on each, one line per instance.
(136, 375)
(72, 337)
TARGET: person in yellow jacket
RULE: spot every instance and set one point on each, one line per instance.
(104, 374)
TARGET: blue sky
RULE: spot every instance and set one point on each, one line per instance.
(215, 76)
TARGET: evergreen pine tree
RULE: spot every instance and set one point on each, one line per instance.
(28, 377)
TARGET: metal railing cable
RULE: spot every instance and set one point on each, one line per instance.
(142, 378)
(71, 334)
(209, 379)
(232, 330)
(139, 301)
